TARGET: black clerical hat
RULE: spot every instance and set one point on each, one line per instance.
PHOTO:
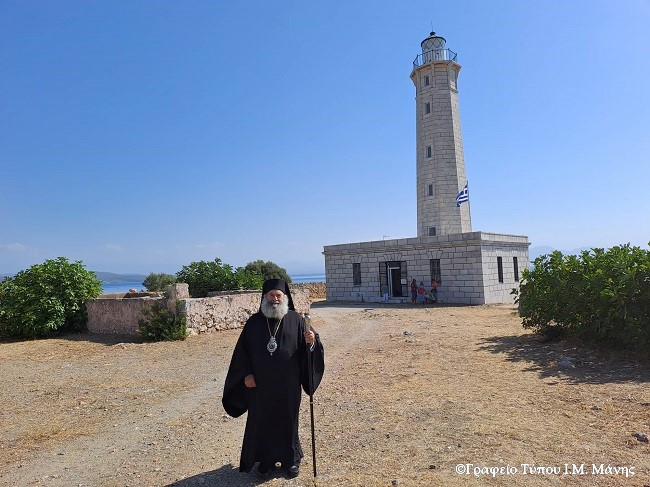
(279, 284)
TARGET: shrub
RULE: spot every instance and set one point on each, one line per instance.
(159, 323)
(548, 293)
(47, 298)
(158, 282)
(248, 280)
(599, 296)
(203, 277)
(267, 270)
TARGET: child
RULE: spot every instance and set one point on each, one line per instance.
(433, 294)
(422, 293)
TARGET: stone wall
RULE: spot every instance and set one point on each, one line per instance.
(317, 290)
(203, 315)
(116, 315)
(219, 312)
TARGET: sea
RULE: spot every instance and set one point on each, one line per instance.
(301, 278)
(123, 287)
(120, 287)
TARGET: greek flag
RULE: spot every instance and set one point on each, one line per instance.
(463, 196)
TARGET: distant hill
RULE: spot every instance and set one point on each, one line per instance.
(109, 277)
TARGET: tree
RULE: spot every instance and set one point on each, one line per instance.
(248, 280)
(267, 270)
(203, 277)
(47, 298)
(158, 282)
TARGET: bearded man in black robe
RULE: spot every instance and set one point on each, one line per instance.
(269, 367)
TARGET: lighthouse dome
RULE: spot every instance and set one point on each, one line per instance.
(433, 42)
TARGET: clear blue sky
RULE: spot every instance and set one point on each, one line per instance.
(139, 136)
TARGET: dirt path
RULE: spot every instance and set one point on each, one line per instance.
(409, 394)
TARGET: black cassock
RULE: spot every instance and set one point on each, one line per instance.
(271, 433)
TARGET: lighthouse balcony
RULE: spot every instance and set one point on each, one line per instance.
(434, 55)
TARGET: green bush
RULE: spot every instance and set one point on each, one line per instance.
(47, 298)
(158, 282)
(248, 280)
(267, 270)
(598, 296)
(203, 277)
(159, 323)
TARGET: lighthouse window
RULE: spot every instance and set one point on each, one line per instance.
(500, 268)
(426, 81)
(432, 231)
(428, 151)
(427, 108)
(430, 193)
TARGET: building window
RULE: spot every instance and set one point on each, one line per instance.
(428, 151)
(427, 107)
(426, 81)
(500, 268)
(356, 274)
(430, 193)
(434, 266)
(516, 267)
(432, 231)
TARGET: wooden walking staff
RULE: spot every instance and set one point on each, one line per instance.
(310, 371)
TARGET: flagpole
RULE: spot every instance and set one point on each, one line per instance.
(463, 197)
(469, 205)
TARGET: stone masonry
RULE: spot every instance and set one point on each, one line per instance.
(203, 315)
(440, 163)
(468, 264)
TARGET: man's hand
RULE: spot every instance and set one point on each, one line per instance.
(310, 337)
(249, 381)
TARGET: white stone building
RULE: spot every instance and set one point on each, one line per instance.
(471, 267)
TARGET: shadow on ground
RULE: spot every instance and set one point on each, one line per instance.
(380, 304)
(227, 476)
(107, 339)
(101, 338)
(574, 363)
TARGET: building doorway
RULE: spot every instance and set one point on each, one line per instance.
(394, 280)
(393, 274)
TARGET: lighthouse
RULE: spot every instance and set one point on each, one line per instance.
(469, 266)
(440, 165)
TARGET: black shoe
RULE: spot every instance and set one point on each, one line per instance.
(263, 471)
(293, 471)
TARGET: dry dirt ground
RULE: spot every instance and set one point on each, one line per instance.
(412, 396)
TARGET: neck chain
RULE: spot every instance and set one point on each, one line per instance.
(272, 346)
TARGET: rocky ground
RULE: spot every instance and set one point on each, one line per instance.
(412, 395)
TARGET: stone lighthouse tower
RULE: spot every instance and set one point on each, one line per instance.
(439, 145)
(470, 267)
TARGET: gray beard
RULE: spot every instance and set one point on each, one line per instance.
(276, 311)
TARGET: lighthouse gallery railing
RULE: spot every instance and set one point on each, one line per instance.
(434, 55)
